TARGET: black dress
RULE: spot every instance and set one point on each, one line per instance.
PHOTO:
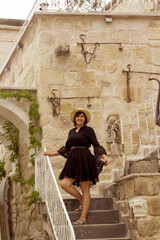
(80, 164)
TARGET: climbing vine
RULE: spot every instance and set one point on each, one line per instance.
(12, 136)
(33, 124)
(2, 170)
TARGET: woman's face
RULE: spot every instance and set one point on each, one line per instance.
(80, 119)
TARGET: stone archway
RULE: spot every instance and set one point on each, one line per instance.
(9, 111)
(17, 116)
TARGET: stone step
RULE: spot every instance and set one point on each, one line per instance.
(91, 231)
(123, 238)
(97, 217)
(96, 204)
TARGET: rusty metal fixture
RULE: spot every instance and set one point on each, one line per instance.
(88, 56)
(128, 84)
(129, 77)
(60, 51)
(56, 101)
(85, 52)
(158, 102)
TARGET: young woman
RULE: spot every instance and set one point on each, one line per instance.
(80, 168)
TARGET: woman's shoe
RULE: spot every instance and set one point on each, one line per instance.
(79, 222)
(79, 208)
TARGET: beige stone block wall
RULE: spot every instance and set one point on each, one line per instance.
(102, 80)
(8, 35)
(138, 199)
(36, 65)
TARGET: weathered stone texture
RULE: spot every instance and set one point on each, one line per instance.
(154, 206)
(147, 227)
(146, 186)
(141, 166)
(139, 203)
(35, 65)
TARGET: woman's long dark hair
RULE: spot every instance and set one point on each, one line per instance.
(77, 115)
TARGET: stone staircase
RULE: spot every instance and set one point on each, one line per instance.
(102, 222)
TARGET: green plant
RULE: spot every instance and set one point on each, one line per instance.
(30, 181)
(18, 176)
(12, 136)
(2, 170)
(33, 127)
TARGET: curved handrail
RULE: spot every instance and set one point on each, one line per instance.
(46, 185)
(132, 123)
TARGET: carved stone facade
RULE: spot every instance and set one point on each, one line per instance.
(99, 86)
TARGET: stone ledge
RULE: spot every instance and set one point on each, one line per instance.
(137, 175)
(18, 88)
(141, 166)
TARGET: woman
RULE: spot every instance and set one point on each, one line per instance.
(80, 168)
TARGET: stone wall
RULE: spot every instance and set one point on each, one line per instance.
(137, 196)
(102, 80)
(8, 33)
(37, 65)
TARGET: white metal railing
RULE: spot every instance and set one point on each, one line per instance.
(46, 185)
(140, 136)
(99, 5)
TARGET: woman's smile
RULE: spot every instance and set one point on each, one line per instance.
(80, 119)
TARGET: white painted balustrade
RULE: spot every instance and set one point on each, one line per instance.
(140, 136)
(46, 185)
(99, 5)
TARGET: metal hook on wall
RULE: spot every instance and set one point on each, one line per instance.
(90, 55)
(128, 83)
(55, 103)
(85, 52)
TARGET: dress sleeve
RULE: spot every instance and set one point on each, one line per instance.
(64, 151)
(98, 149)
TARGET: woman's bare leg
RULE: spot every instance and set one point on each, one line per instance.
(66, 185)
(85, 187)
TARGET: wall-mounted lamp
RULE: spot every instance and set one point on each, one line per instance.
(19, 46)
(7, 69)
(108, 19)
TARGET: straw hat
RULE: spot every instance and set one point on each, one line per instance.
(88, 116)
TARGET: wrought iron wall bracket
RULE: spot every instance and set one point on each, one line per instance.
(128, 99)
(128, 72)
(56, 106)
(88, 56)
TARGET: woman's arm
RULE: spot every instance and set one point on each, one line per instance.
(51, 154)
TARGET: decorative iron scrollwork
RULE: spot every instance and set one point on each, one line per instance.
(88, 56)
(85, 53)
